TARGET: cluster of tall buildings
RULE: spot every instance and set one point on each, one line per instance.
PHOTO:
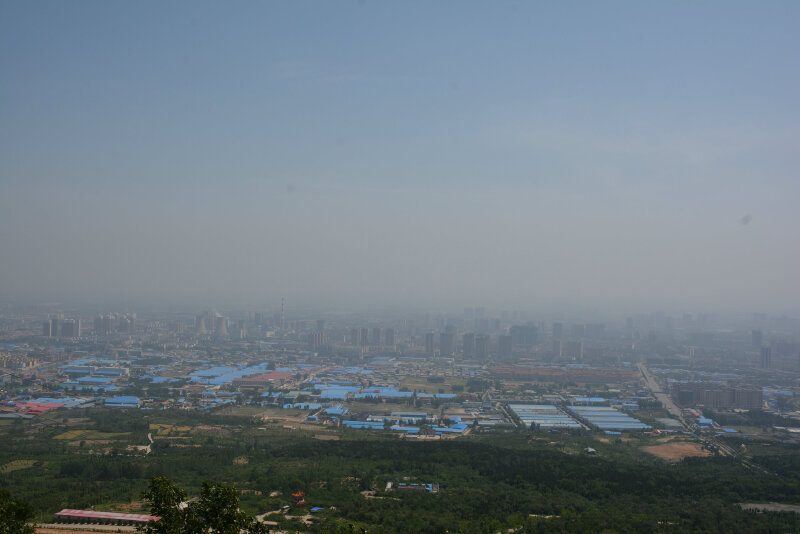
(524, 335)
(567, 350)
(476, 319)
(211, 322)
(112, 322)
(59, 327)
(780, 355)
(716, 397)
(477, 346)
(316, 340)
(376, 337)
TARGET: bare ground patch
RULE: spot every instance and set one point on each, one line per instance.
(675, 451)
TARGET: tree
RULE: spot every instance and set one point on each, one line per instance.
(165, 500)
(217, 510)
(15, 516)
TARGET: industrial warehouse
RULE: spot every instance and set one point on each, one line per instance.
(103, 518)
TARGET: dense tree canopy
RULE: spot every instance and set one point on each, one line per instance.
(15, 516)
(489, 483)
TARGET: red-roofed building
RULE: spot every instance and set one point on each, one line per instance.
(90, 516)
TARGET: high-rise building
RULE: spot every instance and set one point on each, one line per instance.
(355, 335)
(469, 346)
(46, 329)
(429, 343)
(108, 324)
(573, 350)
(766, 357)
(557, 349)
(504, 346)
(220, 326)
(54, 326)
(68, 328)
(315, 341)
(364, 337)
(125, 324)
(748, 399)
(715, 396)
(388, 337)
(200, 324)
(524, 335)
(240, 331)
(446, 344)
(482, 347)
(376, 337)
(77, 328)
(319, 334)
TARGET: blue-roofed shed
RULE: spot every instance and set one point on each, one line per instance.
(122, 402)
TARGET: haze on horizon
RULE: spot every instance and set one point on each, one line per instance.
(613, 154)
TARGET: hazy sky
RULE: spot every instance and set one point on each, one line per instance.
(509, 154)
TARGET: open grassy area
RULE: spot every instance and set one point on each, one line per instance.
(73, 435)
(162, 429)
(422, 385)
(16, 465)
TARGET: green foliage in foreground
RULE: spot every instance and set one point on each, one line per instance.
(15, 516)
(488, 483)
(216, 511)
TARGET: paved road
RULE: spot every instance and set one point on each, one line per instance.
(665, 400)
(672, 408)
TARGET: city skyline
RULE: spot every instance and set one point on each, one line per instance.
(399, 266)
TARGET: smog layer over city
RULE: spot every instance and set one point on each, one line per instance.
(416, 267)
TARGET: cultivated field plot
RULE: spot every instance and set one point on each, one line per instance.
(74, 435)
(16, 465)
(162, 429)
